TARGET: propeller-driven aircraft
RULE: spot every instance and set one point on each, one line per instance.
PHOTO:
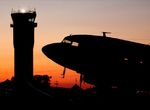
(103, 61)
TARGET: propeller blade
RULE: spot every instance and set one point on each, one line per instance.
(81, 79)
(63, 75)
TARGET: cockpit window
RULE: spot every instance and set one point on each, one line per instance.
(76, 44)
(66, 41)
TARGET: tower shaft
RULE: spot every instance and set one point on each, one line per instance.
(23, 41)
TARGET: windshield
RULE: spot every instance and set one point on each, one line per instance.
(76, 44)
(66, 41)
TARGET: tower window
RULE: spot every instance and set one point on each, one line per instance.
(31, 20)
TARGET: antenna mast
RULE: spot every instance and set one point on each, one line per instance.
(104, 33)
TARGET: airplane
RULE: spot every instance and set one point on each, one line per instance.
(103, 61)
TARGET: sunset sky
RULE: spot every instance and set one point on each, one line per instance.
(125, 19)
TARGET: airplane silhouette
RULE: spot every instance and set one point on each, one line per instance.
(103, 61)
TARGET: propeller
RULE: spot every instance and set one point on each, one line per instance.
(81, 79)
(63, 74)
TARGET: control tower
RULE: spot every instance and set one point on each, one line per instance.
(23, 41)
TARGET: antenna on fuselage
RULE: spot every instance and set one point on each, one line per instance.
(104, 33)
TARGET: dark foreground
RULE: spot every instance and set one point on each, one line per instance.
(45, 96)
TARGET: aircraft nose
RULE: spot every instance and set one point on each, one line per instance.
(51, 49)
(45, 49)
(62, 54)
(55, 52)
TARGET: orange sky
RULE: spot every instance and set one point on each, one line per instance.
(125, 19)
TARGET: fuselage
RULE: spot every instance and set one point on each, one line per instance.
(102, 58)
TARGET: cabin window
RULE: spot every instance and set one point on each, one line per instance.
(76, 44)
(126, 60)
(141, 62)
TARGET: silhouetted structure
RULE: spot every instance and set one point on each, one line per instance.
(43, 81)
(23, 40)
(104, 61)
